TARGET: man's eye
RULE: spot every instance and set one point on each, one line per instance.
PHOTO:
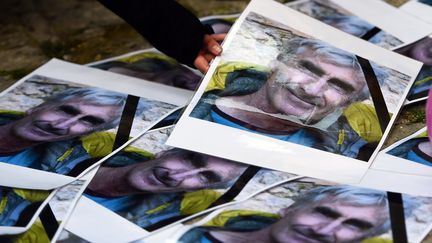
(341, 86)
(210, 177)
(358, 224)
(311, 68)
(326, 212)
(94, 121)
(68, 110)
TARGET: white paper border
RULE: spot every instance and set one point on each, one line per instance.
(270, 153)
(401, 25)
(12, 230)
(23, 177)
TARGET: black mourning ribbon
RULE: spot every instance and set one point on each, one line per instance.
(396, 208)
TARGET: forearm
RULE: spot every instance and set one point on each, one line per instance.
(165, 24)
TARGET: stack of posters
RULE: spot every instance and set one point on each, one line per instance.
(313, 113)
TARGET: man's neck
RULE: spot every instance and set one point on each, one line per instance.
(10, 143)
(248, 109)
(110, 182)
(262, 235)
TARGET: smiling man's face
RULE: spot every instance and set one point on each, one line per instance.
(328, 221)
(65, 120)
(173, 173)
(311, 87)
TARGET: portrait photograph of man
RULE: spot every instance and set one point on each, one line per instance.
(153, 185)
(308, 210)
(332, 14)
(416, 147)
(155, 67)
(307, 92)
(19, 206)
(420, 51)
(53, 125)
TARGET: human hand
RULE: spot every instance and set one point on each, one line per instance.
(210, 49)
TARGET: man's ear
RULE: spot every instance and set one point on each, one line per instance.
(32, 110)
(274, 64)
(284, 211)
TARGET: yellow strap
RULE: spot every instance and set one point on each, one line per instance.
(32, 195)
(222, 218)
(3, 203)
(377, 240)
(158, 208)
(148, 55)
(364, 120)
(11, 112)
(36, 234)
(194, 202)
(98, 144)
(217, 81)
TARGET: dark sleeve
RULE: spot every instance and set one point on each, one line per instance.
(165, 24)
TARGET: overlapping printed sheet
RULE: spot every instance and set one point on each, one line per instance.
(405, 162)
(58, 121)
(365, 20)
(154, 66)
(419, 8)
(307, 210)
(149, 185)
(21, 208)
(276, 99)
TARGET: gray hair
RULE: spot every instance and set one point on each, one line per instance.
(355, 196)
(296, 46)
(99, 97)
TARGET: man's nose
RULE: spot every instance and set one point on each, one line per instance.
(66, 122)
(180, 175)
(329, 228)
(316, 87)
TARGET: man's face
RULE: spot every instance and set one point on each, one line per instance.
(170, 173)
(66, 120)
(310, 88)
(329, 221)
(422, 51)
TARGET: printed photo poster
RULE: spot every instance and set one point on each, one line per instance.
(148, 186)
(23, 207)
(154, 66)
(59, 120)
(310, 210)
(407, 153)
(419, 50)
(292, 94)
(20, 208)
(371, 20)
(421, 9)
(331, 13)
